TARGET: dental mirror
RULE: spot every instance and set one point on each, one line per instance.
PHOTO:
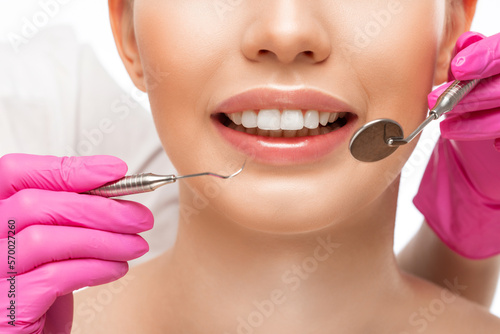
(369, 144)
(380, 138)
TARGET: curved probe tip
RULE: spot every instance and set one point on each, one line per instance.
(229, 176)
(225, 177)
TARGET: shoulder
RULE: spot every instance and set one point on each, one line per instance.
(467, 317)
(95, 307)
(136, 303)
(105, 308)
(440, 310)
(470, 317)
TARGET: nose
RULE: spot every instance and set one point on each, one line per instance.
(288, 31)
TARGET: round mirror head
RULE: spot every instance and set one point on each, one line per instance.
(369, 143)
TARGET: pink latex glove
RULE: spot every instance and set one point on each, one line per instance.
(63, 240)
(460, 192)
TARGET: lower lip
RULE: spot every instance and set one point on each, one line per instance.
(285, 151)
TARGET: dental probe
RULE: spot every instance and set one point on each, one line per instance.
(146, 182)
(378, 139)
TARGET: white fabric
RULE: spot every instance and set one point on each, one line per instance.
(57, 99)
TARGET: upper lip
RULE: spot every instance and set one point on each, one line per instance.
(271, 98)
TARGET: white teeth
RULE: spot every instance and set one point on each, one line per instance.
(292, 120)
(333, 117)
(311, 119)
(323, 118)
(249, 119)
(269, 119)
(236, 118)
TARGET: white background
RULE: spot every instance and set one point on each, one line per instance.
(90, 20)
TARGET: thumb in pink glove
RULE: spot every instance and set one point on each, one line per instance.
(460, 192)
(56, 240)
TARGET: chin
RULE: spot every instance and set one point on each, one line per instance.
(287, 222)
(290, 210)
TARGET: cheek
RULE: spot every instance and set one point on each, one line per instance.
(182, 38)
(180, 48)
(393, 53)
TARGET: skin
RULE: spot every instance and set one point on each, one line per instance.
(261, 238)
(428, 257)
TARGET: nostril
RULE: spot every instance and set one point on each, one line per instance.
(263, 52)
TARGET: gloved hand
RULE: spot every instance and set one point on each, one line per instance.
(460, 192)
(63, 240)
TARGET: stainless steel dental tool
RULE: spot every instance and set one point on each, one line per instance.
(146, 182)
(378, 139)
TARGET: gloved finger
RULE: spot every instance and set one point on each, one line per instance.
(40, 244)
(479, 60)
(485, 96)
(480, 125)
(38, 289)
(35, 206)
(434, 95)
(75, 174)
(59, 317)
(466, 39)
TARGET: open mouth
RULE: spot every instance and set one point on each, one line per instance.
(284, 123)
(285, 127)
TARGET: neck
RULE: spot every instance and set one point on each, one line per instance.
(230, 272)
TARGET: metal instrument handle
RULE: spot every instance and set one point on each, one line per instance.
(446, 102)
(132, 184)
(452, 96)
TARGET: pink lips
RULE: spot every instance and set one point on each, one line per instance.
(283, 151)
(265, 98)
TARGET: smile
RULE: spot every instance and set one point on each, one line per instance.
(284, 127)
(287, 123)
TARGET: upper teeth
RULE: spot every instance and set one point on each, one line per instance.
(274, 119)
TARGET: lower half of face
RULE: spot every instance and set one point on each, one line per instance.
(284, 85)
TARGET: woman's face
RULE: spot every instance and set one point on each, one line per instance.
(287, 62)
